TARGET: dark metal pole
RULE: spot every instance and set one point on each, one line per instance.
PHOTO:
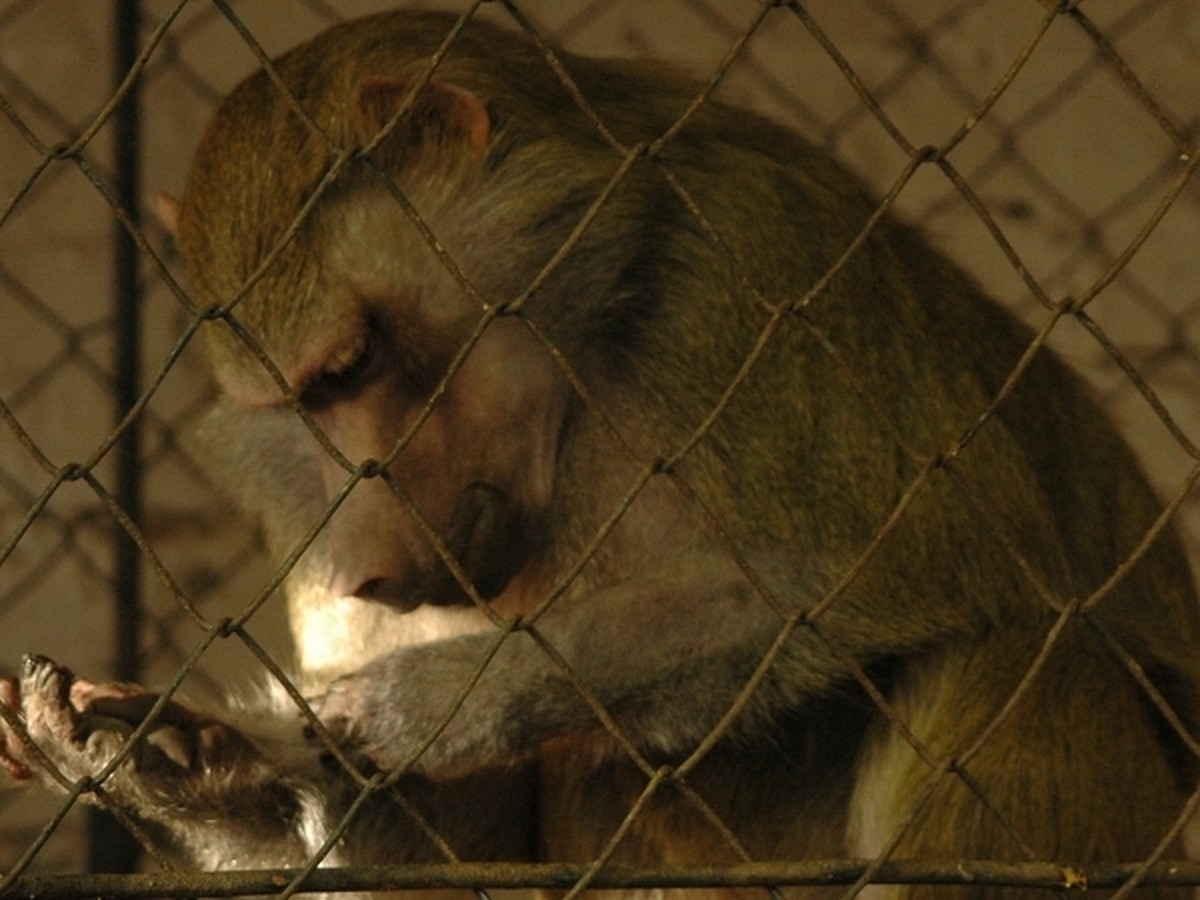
(110, 848)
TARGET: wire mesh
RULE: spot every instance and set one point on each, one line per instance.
(1048, 149)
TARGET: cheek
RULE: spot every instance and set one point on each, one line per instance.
(497, 423)
(369, 425)
(509, 402)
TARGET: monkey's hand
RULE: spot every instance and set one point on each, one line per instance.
(58, 728)
(429, 709)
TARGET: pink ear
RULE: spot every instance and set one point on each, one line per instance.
(168, 212)
(443, 119)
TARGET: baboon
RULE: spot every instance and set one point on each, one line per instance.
(607, 416)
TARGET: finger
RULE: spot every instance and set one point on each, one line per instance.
(11, 746)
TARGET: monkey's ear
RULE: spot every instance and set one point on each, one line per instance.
(168, 212)
(444, 119)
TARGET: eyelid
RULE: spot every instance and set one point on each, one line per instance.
(349, 356)
(348, 368)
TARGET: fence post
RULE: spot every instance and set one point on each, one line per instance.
(110, 848)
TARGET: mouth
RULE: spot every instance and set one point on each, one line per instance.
(489, 539)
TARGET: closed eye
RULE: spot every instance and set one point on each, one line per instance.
(350, 359)
(346, 370)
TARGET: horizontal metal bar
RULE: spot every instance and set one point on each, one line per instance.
(561, 876)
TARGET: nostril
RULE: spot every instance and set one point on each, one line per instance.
(352, 584)
(380, 589)
(372, 589)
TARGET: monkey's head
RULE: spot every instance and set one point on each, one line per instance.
(367, 226)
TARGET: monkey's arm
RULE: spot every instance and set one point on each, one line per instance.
(666, 656)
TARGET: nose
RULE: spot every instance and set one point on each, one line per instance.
(373, 552)
(350, 582)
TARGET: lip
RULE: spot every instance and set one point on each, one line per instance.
(489, 541)
(474, 534)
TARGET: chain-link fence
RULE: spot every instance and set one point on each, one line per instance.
(1048, 149)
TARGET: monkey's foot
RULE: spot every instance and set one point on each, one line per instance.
(60, 728)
